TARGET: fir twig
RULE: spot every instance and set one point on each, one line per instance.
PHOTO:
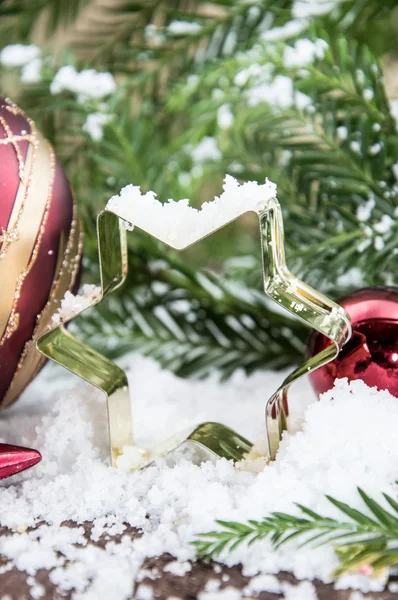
(329, 161)
(362, 541)
(191, 321)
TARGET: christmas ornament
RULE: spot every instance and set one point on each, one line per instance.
(40, 246)
(179, 226)
(14, 459)
(372, 352)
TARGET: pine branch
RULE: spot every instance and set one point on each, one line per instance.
(116, 37)
(362, 541)
(19, 17)
(328, 160)
(191, 321)
(370, 22)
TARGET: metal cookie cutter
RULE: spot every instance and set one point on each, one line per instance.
(208, 438)
(310, 306)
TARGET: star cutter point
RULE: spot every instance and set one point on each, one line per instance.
(208, 439)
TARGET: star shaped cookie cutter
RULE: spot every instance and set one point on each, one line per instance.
(208, 439)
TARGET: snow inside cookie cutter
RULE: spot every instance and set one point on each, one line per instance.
(179, 226)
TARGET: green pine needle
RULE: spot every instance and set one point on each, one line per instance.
(362, 540)
(328, 161)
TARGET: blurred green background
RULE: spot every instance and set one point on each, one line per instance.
(302, 92)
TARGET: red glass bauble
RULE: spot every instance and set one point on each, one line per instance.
(372, 352)
(40, 246)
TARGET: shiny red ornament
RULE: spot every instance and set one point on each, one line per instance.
(372, 352)
(40, 246)
(14, 459)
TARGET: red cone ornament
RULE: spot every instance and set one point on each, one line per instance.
(14, 459)
(40, 246)
(372, 352)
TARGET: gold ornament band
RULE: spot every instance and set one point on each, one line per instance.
(29, 215)
(209, 438)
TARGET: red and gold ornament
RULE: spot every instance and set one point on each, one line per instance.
(40, 246)
(372, 352)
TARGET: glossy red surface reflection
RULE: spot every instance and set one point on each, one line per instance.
(372, 352)
(14, 459)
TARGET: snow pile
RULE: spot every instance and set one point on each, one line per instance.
(72, 304)
(178, 224)
(347, 439)
(88, 84)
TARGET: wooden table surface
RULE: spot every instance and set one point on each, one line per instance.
(14, 586)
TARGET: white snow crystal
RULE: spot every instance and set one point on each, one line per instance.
(178, 568)
(303, 52)
(384, 225)
(254, 70)
(228, 593)
(263, 583)
(212, 585)
(286, 31)
(310, 8)
(94, 125)
(365, 210)
(358, 580)
(303, 591)
(144, 592)
(89, 83)
(37, 591)
(31, 72)
(206, 150)
(394, 110)
(225, 118)
(184, 28)
(355, 146)
(217, 93)
(178, 224)
(154, 34)
(375, 149)
(184, 179)
(353, 277)
(360, 75)
(302, 101)
(342, 132)
(18, 55)
(378, 243)
(277, 93)
(72, 304)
